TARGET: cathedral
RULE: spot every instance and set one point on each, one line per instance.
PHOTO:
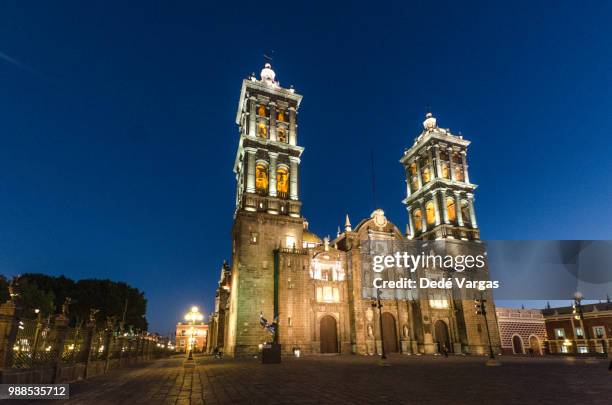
(314, 286)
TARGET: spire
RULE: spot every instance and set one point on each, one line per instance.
(338, 233)
(347, 224)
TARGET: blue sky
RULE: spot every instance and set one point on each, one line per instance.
(118, 134)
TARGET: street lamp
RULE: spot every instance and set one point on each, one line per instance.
(579, 315)
(193, 316)
(379, 305)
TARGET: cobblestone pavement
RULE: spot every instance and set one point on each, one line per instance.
(352, 380)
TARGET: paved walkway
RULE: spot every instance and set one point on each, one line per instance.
(352, 380)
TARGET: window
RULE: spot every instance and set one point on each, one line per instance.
(438, 301)
(458, 173)
(261, 111)
(254, 238)
(560, 333)
(430, 213)
(328, 294)
(413, 168)
(579, 333)
(282, 135)
(599, 332)
(564, 349)
(450, 209)
(426, 175)
(583, 349)
(415, 183)
(465, 211)
(282, 182)
(281, 116)
(417, 217)
(290, 242)
(445, 171)
(261, 178)
(262, 130)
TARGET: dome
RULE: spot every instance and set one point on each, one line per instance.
(309, 237)
(268, 75)
(430, 122)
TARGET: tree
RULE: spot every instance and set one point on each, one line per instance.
(34, 298)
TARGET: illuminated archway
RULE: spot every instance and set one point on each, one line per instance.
(417, 218)
(430, 213)
(261, 178)
(451, 209)
(282, 181)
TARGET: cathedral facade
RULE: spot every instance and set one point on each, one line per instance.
(314, 287)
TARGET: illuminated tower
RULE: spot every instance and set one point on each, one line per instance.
(268, 207)
(439, 194)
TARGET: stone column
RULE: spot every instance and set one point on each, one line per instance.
(466, 178)
(91, 333)
(250, 169)
(410, 221)
(432, 172)
(434, 196)
(470, 197)
(61, 330)
(451, 164)
(292, 126)
(423, 216)
(437, 157)
(458, 208)
(272, 174)
(293, 178)
(272, 121)
(252, 117)
(444, 209)
(418, 173)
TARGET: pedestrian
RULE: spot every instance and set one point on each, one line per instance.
(444, 351)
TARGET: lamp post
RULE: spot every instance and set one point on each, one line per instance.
(378, 304)
(193, 316)
(579, 315)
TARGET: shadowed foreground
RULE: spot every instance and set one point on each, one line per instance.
(351, 379)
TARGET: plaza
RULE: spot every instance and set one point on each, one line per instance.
(349, 379)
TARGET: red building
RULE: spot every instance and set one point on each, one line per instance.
(568, 332)
(187, 333)
(522, 331)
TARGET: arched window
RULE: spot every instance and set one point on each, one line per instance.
(458, 173)
(282, 182)
(282, 135)
(413, 168)
(417, 218)
(261, 178)
(445, 171)
(450, 209)
(281, 116)
(430, 213)
(415, 183)
(465, 211)
(426, 175)
(261, 111)
(262, 130)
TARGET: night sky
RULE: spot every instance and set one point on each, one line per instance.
(117, 134)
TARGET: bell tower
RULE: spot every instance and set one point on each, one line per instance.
(268, 207)
(439, 194)
(268, 156)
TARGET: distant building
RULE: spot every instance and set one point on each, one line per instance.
(218, 319)
(187, 331)
(522, 331)
(567, 333)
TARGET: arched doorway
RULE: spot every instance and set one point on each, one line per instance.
(442, 336)
(329, 335)
(534, 344)
(389, 333)
(517, 344)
